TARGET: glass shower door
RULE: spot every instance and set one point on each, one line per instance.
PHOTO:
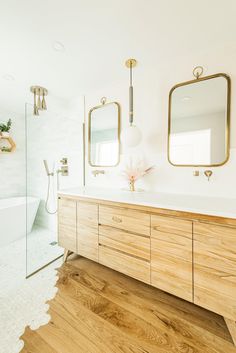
(54, 143)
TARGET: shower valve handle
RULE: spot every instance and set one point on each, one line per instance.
(64, 161)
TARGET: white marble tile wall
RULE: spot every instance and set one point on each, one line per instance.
(52, 136)
(12, 165)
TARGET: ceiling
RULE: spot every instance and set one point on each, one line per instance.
(98, 36)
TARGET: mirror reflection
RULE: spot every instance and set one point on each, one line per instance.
(104, 135)
(199, 122)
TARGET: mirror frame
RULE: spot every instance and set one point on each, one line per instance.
(89, 134)
(227, 143)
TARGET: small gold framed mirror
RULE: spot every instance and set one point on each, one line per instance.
(104, 134)
(199, 121)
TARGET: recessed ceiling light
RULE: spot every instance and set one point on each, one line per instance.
(8, 77)
(185, 99)
(58, 46)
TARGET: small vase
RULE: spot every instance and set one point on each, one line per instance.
(131, 185)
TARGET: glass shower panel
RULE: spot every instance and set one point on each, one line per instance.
(51, 137)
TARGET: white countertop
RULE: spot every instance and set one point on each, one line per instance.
(212, 206)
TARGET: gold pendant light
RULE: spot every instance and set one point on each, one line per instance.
(39, 104)
(131, 136)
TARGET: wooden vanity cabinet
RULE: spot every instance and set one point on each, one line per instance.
(188, 255)
(87, 230)
(215, 268)
(171, 256)
(124, 241)
(67, 232)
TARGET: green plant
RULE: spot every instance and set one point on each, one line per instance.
(6, 127)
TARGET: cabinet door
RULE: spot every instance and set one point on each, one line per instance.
(171, 256)
(215, 268)
(87, 230)
(67, 224)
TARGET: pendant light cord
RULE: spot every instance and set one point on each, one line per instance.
(130, 75)
(131, 95)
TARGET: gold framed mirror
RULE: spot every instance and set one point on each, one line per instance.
(199, 121)
(104, 135)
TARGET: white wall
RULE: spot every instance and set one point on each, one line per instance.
(152, 86)
(12, 165)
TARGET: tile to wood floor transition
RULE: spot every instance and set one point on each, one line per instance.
(98, 310)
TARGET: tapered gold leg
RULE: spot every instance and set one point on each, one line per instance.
(66, 254)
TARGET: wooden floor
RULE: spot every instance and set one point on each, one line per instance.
(98, 310)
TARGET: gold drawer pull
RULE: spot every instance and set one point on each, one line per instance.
(116, 219)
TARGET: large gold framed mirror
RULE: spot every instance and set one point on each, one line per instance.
(104, 135)
(199, 121)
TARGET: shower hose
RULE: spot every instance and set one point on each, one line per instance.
(53, 194)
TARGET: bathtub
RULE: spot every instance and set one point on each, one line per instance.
(13, 218)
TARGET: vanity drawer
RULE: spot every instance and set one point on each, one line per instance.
(132, 244)
(67, 224)
(171, 225)
(130, 220)
(124, 263)
(87, 230)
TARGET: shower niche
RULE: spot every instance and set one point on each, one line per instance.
(54, 160)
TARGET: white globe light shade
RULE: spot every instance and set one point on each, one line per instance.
(131, 136)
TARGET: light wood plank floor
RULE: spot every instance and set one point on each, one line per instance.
(98, 310)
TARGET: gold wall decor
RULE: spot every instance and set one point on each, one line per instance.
(199, 121)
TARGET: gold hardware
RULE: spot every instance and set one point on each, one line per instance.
(227, 132)
(208, 174)
(64, 170)
(103, 100)
(197, 72)
(196, 173)
(39, 92)
(44, 106)
(64, 161)
(97, 171)
(132, 185)
(117, 219)
(90, 133)
(131, 63)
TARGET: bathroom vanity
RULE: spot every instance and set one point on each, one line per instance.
(184, 245)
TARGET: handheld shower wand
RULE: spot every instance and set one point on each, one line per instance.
(46, 168)
(49, 175)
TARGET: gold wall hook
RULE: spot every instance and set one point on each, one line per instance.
(197, 72)
(103, 100)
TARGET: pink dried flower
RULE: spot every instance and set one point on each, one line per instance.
(134, 172)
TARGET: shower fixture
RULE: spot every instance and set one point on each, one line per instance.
(39, 98)
(64, 171)
(46, 168)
